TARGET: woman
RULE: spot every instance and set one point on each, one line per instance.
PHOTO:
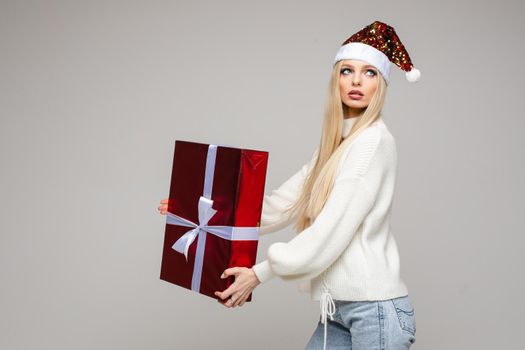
(341, 203)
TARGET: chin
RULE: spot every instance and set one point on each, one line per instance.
(356, 105)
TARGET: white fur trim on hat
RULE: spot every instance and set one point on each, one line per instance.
(364, 52)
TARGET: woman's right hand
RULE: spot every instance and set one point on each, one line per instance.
(163, 208)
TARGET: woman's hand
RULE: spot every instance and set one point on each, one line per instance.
(163, 208)
(245, 283)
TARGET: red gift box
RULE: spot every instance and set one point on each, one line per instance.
(214, 213)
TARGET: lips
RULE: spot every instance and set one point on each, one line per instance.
(355, 92)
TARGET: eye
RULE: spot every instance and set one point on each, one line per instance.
(373, 72)
(345, 69)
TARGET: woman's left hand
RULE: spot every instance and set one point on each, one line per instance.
(245, 283)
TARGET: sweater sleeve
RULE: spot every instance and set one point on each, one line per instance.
(273, 217)
(313, 250)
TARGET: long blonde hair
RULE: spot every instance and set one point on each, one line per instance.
(320, 179)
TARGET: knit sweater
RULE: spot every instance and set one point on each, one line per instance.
(349, 251)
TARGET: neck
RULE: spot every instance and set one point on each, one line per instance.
(353, 112)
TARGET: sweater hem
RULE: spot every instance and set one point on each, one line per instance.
(362, 295)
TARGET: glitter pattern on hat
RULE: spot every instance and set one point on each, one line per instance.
(384, 38)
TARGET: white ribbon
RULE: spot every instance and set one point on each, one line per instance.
(327, 307)
(206, 212)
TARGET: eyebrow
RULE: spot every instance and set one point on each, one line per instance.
(349, 65)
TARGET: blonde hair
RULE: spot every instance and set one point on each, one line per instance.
(320, 180)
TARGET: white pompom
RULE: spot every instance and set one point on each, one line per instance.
(413, 75)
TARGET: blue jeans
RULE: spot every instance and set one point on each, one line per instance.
(368, 325)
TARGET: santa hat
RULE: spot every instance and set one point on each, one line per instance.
(378, 44)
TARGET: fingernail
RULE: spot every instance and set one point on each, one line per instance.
(222, 276)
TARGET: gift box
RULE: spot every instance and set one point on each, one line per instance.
(214, 213)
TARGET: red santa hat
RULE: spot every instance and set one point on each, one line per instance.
(378, 44)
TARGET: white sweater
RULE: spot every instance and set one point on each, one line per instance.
(349, 251)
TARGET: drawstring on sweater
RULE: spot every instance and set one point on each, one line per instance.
(327, 308)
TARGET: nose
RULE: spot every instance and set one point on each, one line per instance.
(356, 79)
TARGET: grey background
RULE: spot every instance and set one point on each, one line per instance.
(93, 95)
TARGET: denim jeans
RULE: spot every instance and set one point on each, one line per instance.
(368, 325)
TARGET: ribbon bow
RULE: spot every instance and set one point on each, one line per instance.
(206, 212)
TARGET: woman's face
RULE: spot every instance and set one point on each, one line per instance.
(357, 85)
